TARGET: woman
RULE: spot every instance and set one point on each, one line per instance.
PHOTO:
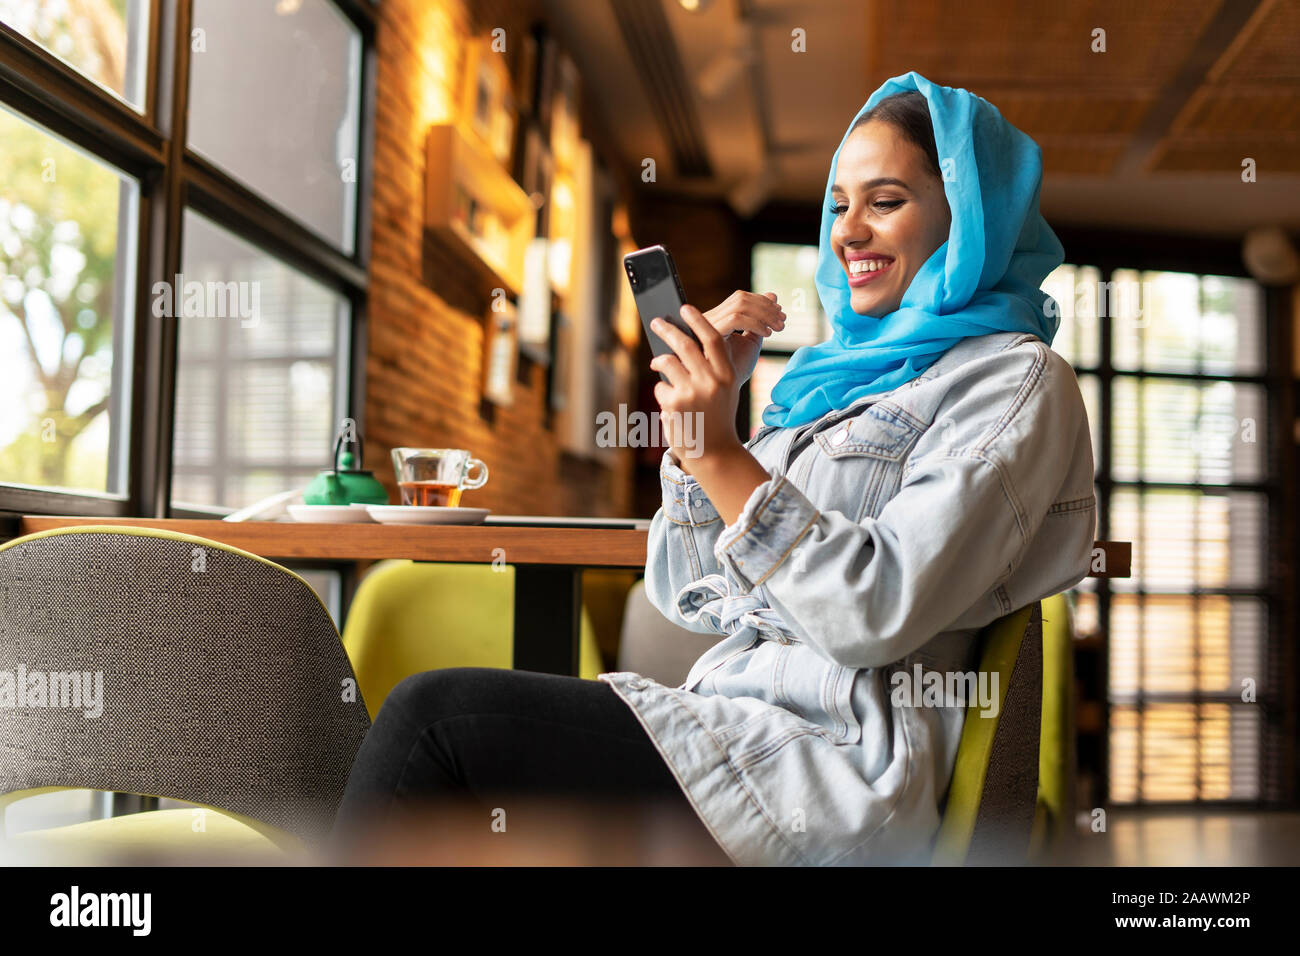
(922, 473)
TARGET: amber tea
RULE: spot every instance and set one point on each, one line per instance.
(429, 493)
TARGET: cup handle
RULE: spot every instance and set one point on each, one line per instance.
(481, 480)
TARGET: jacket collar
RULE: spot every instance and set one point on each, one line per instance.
(969, 348)
(964, 351)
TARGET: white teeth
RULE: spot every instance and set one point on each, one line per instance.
(859, 266)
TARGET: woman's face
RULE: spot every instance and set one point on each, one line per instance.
(890, 215)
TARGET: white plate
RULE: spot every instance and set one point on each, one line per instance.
(329, 514)
(426, 514)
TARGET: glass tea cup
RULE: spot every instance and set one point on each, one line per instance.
(436, 476)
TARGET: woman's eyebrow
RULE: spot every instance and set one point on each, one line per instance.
(873, 183)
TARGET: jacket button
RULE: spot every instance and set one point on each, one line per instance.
(638, 683)
(841, 436)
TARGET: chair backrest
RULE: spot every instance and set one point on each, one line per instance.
(989, 811)
(224, 682)
(1054, 819)
(655, 647)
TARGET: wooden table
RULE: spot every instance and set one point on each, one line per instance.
(548, 562)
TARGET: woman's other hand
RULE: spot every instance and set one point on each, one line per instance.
(754, 317)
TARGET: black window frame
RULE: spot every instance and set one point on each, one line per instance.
(1109, 252)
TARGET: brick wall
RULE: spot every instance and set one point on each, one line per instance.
(426, 328)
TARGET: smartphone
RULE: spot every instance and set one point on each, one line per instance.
(658, 293)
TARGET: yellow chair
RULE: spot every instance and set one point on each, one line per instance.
(991, 801)
(187, 834)
(1053, 831)
(224, 684)
(408, 617)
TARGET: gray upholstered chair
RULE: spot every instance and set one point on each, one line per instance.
(225, 683)
(655, 647)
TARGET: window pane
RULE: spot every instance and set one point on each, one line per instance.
(105, 39)
(274, 99)
(1183, 644)
(789, 271)
(260, 386)
(1232, 330)
(1208, 432)
(67, 253)
(1177, 322)
(1184, 539)
(1184, 751)
(1075, 290)
(766, 374)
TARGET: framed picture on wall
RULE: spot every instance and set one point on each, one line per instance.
(565, 123)
(537, 172)
(503, 134)
(534, 323)
(500, 354)
(488, 107)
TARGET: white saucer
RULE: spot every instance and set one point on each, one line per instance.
(425, 514)
(329, 514)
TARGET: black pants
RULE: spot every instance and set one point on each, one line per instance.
(509, 747)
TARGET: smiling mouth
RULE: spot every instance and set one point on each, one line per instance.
(862, 271)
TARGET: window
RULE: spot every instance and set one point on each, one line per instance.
(1077, 339)
(260, 391)
(788, 271)
(105, 40)
(154, 149)
(274, 101)
(132, 162)
(1171, 366)
(67, 255)
(1188, 450)
(1179, 475)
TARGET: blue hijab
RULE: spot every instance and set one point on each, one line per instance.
(985, 278)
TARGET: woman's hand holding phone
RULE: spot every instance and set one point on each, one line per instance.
(698, 406)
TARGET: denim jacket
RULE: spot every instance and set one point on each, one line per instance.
(888, 534)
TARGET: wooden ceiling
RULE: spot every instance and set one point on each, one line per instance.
(1183, 85)
(1150, 133)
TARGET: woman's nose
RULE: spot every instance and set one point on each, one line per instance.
(846, 231)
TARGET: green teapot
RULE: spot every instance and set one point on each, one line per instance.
(345, 485)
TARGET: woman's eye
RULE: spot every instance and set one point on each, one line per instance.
(885, 205)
